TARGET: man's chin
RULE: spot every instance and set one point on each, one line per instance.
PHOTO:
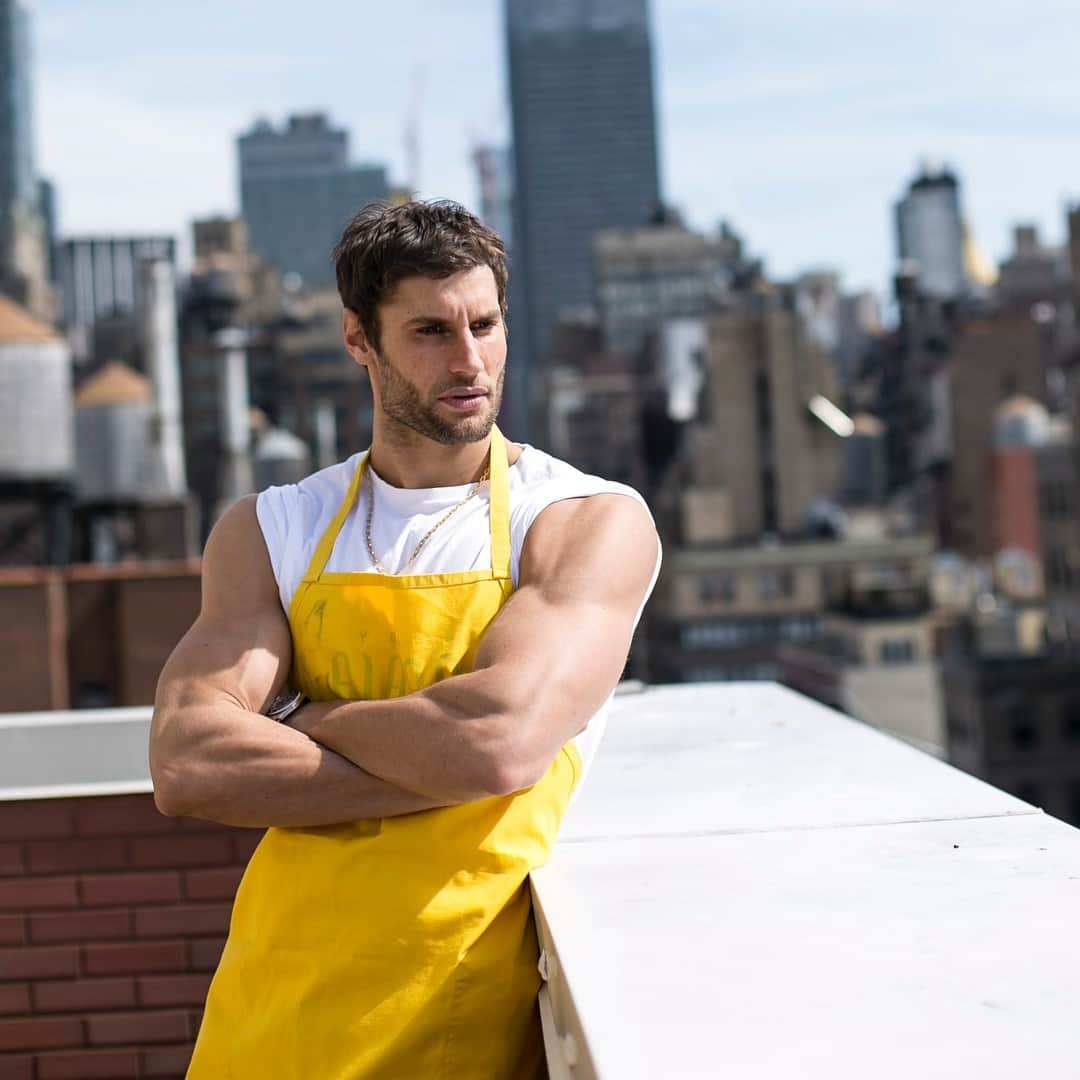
(467, 429)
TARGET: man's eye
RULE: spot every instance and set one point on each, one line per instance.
(432, 330)
(483, 325)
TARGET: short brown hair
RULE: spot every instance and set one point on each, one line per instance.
(383, 244)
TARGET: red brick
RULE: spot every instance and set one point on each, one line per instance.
(166, 1060)
(16, 1067)
(12, 929)
(11, 860)
(245, 843)
(118, 889)
(194, 849)
(206, 954)
(137, 1027)
(195, 920)
(220, 884)
(35, 818)
(38, 893)
(80, 995)
(159, 991)
(89, 1065)
(80, 926)
(122, 815)
(40, 1032)
(15, 998)
(85, 853)
(144, 958)
(50, 963)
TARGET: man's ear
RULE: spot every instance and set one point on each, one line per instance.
(356, 342)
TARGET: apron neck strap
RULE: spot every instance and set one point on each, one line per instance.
(326, 543)
(499, 506)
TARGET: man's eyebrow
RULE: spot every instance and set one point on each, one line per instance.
(437, 320)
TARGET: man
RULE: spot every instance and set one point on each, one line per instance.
(457, 609)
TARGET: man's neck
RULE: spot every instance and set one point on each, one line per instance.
(422, 463)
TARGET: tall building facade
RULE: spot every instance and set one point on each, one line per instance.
(647, 275)
(930, 233)
(585, 157)
(23, 261)
(297, 191)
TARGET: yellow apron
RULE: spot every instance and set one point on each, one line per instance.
(399, 947)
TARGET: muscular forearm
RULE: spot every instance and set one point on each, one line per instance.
(453, 741)
(246, 770)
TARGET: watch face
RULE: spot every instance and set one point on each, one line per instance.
(286, 702)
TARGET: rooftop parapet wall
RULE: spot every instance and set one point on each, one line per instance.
(749, 885)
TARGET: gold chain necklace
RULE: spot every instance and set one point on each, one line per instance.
(379, 568)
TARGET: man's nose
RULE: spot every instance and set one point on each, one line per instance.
(467, 358)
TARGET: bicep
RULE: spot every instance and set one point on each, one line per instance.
(239, 649)
(562, 640)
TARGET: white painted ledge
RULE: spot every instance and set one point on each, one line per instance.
(754, 886)
(82, 752)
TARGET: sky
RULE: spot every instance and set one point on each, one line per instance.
(799, 124)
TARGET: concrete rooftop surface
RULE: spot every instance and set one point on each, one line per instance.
(752, 885)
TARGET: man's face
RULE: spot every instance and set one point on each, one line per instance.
(439, 367)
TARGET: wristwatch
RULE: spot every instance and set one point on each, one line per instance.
(285, 704)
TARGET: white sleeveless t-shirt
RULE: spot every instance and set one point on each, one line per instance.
(294, 517)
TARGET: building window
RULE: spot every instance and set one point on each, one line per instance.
(1023, 730)
(717, 588)
(897, 651)
(956, 726)
(1070, 720)
(770, 585)
(1057, 568)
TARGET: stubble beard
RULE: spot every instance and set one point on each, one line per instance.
(401, 402)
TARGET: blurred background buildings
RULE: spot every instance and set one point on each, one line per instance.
(873, 499)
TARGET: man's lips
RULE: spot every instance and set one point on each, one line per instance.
(464, 397)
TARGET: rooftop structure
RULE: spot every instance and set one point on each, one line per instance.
(101, 286)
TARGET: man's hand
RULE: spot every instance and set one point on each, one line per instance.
(212, 753)
(547, 663)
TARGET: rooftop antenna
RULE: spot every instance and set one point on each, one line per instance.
(412, 131)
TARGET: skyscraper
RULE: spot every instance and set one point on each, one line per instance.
(297, 191)
(22, 250)
(585, 158)
(930, 233)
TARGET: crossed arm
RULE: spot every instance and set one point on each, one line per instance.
(546, 664)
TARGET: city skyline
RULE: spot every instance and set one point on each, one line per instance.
(800, 128)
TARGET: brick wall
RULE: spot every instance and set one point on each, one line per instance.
(112, 919)
(91, 636)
